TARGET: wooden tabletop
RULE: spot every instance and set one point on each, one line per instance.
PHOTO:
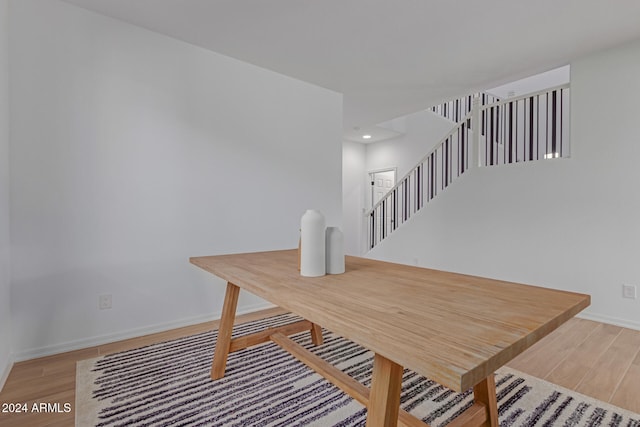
(452, 328)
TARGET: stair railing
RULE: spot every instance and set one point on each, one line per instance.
(449, 159)
(526, 128)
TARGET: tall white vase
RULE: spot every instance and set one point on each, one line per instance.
(335, 251)
(312, 244)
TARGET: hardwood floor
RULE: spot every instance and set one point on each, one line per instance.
(596, 359)
(592, 358)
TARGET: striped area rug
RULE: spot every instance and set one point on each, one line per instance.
(168, 384)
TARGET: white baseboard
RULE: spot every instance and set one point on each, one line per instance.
(4, 374)
(131, 333)
(610, 320)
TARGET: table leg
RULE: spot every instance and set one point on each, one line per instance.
(485, 392)
(224, 332)
(316, 334)
(384, 401)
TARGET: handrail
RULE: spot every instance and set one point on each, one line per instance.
(422, 160)
(455, 109)
(525, 96)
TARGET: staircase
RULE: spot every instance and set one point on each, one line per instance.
(487, 132)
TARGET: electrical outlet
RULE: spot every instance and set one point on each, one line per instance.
(629, 291)
(104, 302)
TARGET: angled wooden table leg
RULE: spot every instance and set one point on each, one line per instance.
(223, 343)
(485, 392)
(316, 334)
(384, 401)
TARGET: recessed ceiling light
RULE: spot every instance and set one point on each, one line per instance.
(367, 136)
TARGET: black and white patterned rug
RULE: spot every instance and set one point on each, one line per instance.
(168, 384)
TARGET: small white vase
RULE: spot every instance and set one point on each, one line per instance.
(335, 251)
(312, 244)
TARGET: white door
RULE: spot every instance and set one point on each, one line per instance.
(381, 183)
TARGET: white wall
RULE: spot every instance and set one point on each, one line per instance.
(130, 153)
(566, 223)
(5, 308)
(353, 191)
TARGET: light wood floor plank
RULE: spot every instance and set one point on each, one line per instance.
(545, 355)
(580, 361)
(626, 395)
(35, 388)
(609, 369)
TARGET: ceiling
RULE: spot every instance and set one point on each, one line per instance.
(390, 58)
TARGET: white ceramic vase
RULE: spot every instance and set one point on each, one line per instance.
(312, 244)
(335, 251)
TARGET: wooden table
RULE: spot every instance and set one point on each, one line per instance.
(452, 328)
